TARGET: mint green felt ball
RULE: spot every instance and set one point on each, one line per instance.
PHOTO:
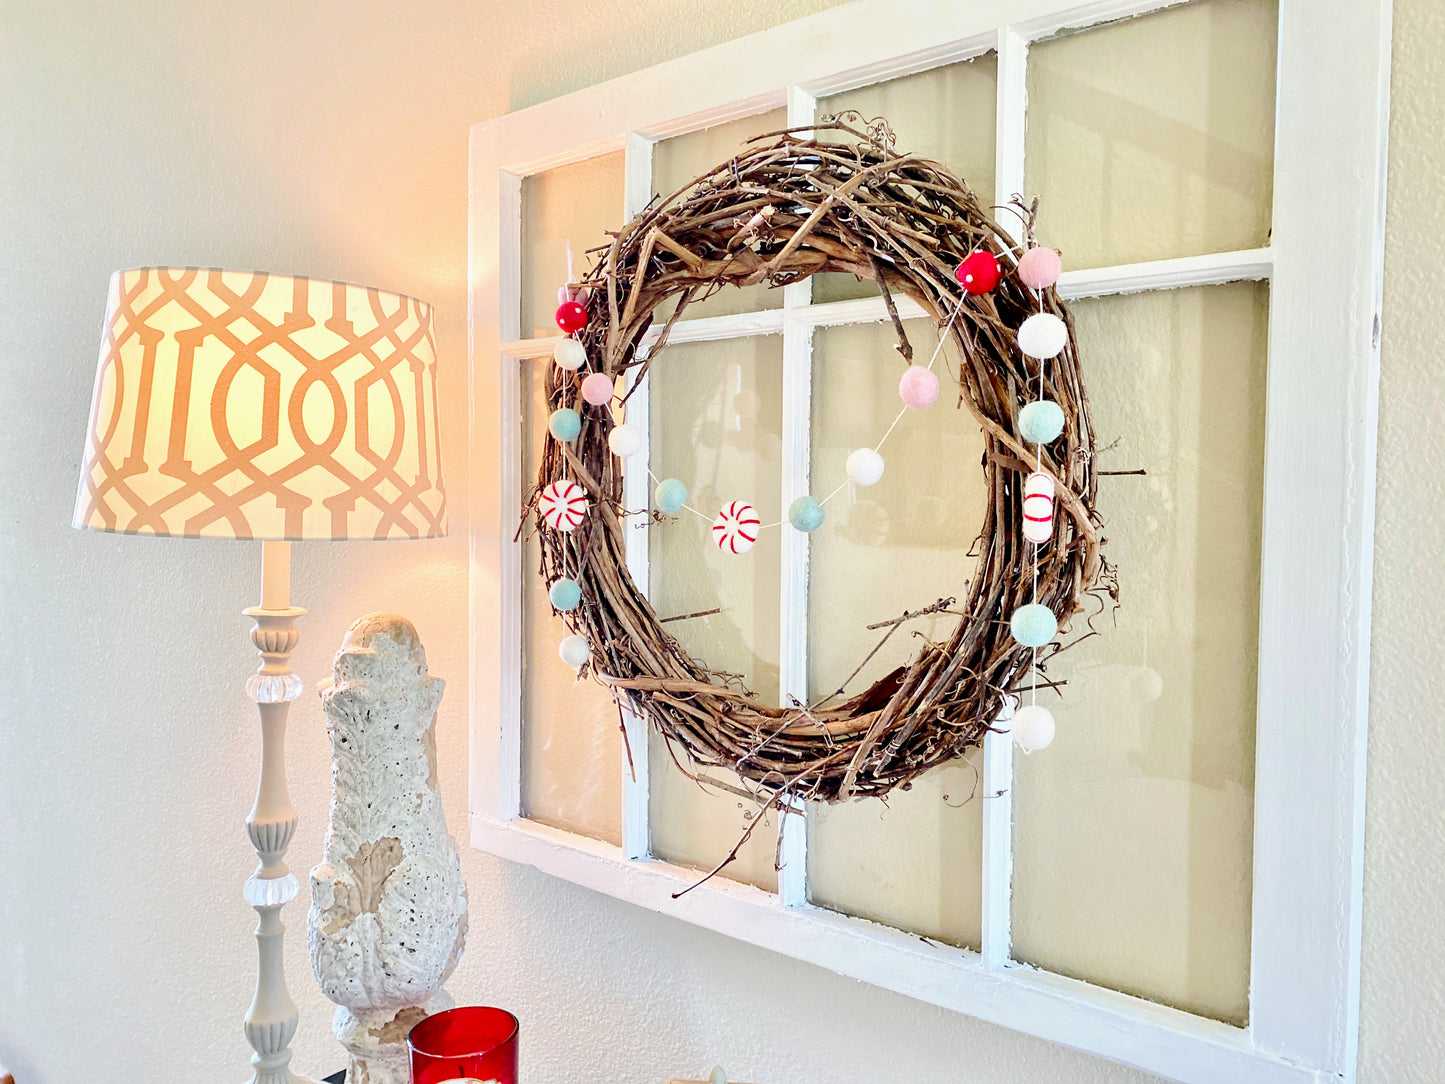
(565, 594)
(806, 514)
(564, 424)
(1041, 422)
(1033, 625)
(670, 496)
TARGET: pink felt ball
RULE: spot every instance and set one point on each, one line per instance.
(597, 389)
(1039, 268)
(918, 387)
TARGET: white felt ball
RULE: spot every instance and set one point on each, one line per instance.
(1043, 335)
(625, 440)
(574, 650)
(569, 354)
(864, 467)
(1032, 728)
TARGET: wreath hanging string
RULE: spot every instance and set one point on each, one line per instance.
(788, 206)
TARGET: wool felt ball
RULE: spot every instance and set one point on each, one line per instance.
(1032, 728)
(1043, 335)
(1033, 625)
(978, 272)
(574, 650)
(569, 354)
(736, 527)
(918, 387)
(625, 440)
(864, 467)
(564, 424)
(562, 505)
(669, 496)
(1041, 421)
(571, 316)
(573, 292)
(598, 389)
(565, 594)
(806, 514)
(1039, 268)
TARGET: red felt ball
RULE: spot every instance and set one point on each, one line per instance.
(978, 272)
(571, 316)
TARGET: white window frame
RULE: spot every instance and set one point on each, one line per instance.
(1319, 481)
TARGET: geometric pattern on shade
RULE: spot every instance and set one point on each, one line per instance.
(247, 405)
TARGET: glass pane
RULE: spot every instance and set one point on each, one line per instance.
(912, 861)
(945, 113)
(1133, 830)
(571, 742)
(679, 161)
(1154, 137)
(576, 204)
(717, 426)
(900, 545)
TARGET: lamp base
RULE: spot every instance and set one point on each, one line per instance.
(295, 1079)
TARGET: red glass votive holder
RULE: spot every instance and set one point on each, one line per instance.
(469, 1043)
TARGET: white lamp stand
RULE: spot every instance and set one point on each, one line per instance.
(271, 1020)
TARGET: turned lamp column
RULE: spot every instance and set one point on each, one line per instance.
(272, 1019)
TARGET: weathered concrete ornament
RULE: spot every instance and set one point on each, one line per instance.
(388, 917)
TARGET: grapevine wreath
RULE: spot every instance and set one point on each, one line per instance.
(789, 206)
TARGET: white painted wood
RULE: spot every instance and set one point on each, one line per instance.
(636, 497)
(1133, 278)
(1328, 231)
(1128, 1030)
(1333, 66)
(996, 882)
(509, 679)
(793, 575)
(1008, 169)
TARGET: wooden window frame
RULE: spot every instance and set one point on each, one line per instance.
(1316, 560)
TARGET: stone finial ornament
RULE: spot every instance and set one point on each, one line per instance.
(388, 917)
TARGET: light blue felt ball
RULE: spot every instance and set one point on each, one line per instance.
(1033, 625)
(565, 594)
(806, 514)
(670, 496)
(564, 424)
(1041, 422)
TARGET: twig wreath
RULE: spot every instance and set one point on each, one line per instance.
(788, 206)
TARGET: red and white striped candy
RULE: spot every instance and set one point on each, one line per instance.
(1039, 507)
(562, 505)
(736, 528)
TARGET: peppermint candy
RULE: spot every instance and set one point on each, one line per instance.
(1038, 507)
(562, 505)
(736, 528)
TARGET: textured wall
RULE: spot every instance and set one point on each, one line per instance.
(328, 138)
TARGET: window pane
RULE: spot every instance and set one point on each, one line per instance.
(1133, 830)
(912, 861)
(717, 427)
(576, 203)
(946, 114)
(679, 161)
(571, 743)
(900, 545)
(1154, 137)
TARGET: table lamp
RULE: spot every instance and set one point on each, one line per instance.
(234, 404)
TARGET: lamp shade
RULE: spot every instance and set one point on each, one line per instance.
(238, 404)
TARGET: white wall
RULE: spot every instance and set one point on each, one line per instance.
(328, 138)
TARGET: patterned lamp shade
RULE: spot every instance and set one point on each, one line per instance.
(236, 404)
